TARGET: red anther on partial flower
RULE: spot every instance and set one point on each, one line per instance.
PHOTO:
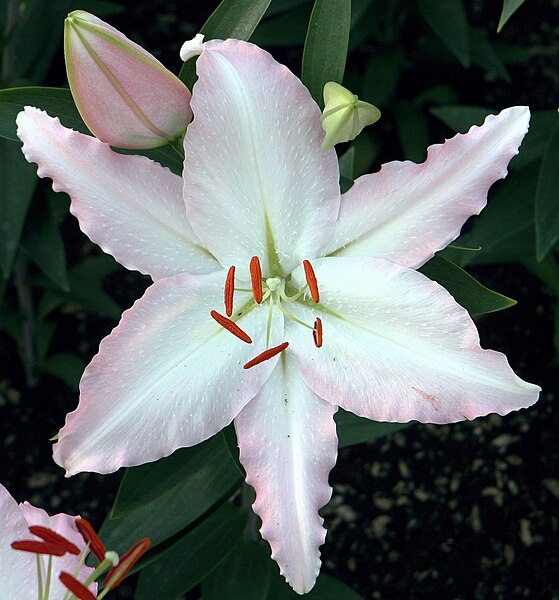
(90, 537)
(311, 281)
(78, 589)
(126, 562)
(229, 291)
(317, 332)
(256, 278)
(50, 536)
(39, 547)
(231, 326)
(266, 355)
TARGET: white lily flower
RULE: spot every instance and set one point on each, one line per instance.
(19, 576)
(325, 290)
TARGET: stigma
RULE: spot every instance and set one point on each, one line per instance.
(271, 290)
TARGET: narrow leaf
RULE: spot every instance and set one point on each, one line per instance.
(467, 291)
(547, 198)
(509, 8)
(18, 180)
(353, 430)
(447, 19)
(326, 45)
(244, 575)
(193, 557)
(42, 242)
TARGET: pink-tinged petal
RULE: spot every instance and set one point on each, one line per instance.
(124, 94)
(255, 177)
(288, 444)
(65, 525)
(397, 347)
(18, 570)
(129, 205)
(406, 212)
(167, 377)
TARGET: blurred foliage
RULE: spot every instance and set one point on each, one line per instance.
(423, 62)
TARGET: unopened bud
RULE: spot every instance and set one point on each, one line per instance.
(124, 94)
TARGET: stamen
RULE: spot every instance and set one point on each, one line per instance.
(50, 536)
(126, 562)
(231, 326)
(229, 291)
(266, 355)
(90, 537)
(39, 547)
(256, 279)
(317, 332)
(78, 589)
(311, 281)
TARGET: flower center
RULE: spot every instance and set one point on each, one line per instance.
(272, 290)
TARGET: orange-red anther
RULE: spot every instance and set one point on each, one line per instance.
(90, 537)
(266, 355)
(126, 562)
(311, 281)
(51, 537)
(231, 326)
(39, 547)
(229, 291)
(317, 332)
(256, 279)
(78, 589)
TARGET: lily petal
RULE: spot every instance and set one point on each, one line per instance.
(406, 212)
(288, 443)
(167, 377)
(64, 525)
(131, 206)
(255, 180)
(397, 347)
(18, 570)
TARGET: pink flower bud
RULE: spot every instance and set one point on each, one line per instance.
(125, 95)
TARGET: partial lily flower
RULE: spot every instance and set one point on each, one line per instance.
(35, 549)
(344, 116)
(124, 94)
(275, 298)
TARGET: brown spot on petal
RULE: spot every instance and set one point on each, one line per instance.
(429, 397)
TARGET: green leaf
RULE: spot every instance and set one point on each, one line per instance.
(244, 575)
(326, 588)
(467, 291)
(509, 8)
(547, 197)
(58, 102)
(171, 494)
(447, 19)
(286, 29)
(18, 179)
(193, 557)
(505, 228)
(460, 118)
(485, 56)
(326, 45)
(278, 7)
(413, 131)
(231, 19)
(203, 473)
(67, 367)
(347, 164)
(42, 242)
(382, 73)
(352, 429)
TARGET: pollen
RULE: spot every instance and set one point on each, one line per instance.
(229, 291)
(231, 326)
(311, 281)
(256, 279)
(266, 355)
